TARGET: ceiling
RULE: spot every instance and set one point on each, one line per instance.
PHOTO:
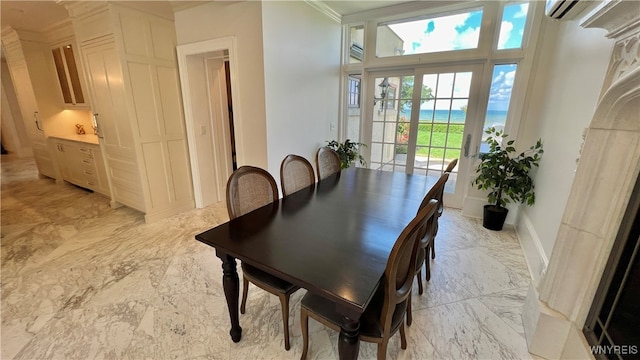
(39, 15)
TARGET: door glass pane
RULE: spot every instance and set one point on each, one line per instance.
(429, 34)
(445, 86)
(499, 99)
(62, 77)
(73, 74)
(441, 123)
(514, 19)
(356, 46)
(391, 118)
(353, 107)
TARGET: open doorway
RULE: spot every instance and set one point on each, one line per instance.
(207, 80)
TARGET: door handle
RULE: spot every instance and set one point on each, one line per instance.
(95, 121)
(35, 118)
(467, 143)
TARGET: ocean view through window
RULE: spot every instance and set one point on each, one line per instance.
(453, 68)
(499, 99)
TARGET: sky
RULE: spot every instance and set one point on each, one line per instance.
(462, 31)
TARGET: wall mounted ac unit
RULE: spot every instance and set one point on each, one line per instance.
(564, 9)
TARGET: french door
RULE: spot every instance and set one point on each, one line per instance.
(423, 119)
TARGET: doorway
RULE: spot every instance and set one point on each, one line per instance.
(208, 88)
(423, 119)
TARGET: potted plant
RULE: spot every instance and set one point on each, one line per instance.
(349, 152)
(505, 176)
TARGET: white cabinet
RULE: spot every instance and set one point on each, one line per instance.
(81, 164)
(29, 61)
(132, 74)
(114, 128)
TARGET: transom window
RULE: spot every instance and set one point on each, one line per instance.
(514, 18)
(428, 35)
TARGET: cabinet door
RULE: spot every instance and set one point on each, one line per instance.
(98, 179)
(69, 76)
(109, 103)
(29, 111)
(70, 162)
(63, 163)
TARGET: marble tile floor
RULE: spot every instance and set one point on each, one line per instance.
(81, 280)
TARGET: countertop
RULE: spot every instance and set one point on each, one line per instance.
(86, 138)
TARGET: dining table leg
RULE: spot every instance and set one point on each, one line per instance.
(349, 339)
(231, 285)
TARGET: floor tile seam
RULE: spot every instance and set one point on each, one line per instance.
(498, 315)
(485, 249)
(133, 333)
(500, 318)
(508, 266)
(438, 352)
(480, 323)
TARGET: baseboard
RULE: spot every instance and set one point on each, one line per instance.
(537, 260)
(153, 216)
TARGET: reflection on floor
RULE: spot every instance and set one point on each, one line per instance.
(83, 281)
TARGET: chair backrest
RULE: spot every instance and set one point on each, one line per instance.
(296, 173)
(327, 162)
(451, 166)
(436, 192)
(428, 231)
(249, 188)
(400, 270)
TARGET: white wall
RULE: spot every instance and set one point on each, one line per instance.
(302, 68)
(14, 134)
(242, 20)
(567, 84)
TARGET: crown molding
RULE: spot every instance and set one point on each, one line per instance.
(325, 9)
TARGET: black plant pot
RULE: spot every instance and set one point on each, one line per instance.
(494, 217)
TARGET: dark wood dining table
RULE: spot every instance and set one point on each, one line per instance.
(333, 239)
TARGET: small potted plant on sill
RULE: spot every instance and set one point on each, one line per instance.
(505, 176)
(349, 152)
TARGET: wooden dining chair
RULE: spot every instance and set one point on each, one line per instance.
(250, 188)
(327, 162)
(427, 235)
(385, 314)
(451, 166)
(296, 173)
(428, 239)
(440, 198)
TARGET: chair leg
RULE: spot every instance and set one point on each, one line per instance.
(403, 337)
(382, 349)
(284, 301)
(433, 242)
(420, 290)
(409, 316)
(427, 270)
(245, 290)
(304, 323)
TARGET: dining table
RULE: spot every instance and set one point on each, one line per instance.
(332, 239)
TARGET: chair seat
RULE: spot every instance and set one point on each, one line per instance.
(258, 277)
(369, 322)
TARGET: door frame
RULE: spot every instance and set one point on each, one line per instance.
(199, 48)
(473, 123)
